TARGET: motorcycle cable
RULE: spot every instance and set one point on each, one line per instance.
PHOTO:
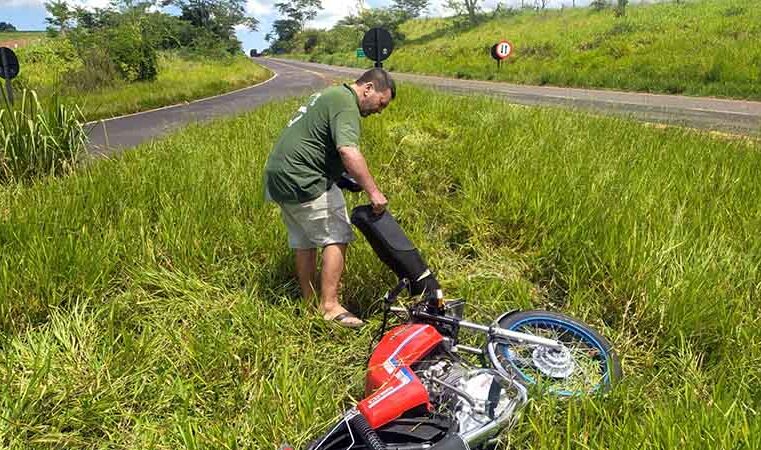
(388, 300)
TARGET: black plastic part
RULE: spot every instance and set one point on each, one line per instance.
(366, 433)
(409, 432)
(493, 398)
(393, 247)
(348, 183)
(451, 442)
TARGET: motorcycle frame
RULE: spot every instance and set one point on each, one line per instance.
(492, 331)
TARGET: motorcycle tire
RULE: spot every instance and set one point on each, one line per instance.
(590, 364)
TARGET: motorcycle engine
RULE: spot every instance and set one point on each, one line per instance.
(473, 397)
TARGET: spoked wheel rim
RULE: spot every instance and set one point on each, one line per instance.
(587, 370)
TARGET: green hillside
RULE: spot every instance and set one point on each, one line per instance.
(705, 48)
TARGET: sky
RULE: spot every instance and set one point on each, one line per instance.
(27, 15)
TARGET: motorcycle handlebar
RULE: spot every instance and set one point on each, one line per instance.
(489, 330)
(393, 293)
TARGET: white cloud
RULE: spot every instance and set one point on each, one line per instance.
(18, 3)
(332, 11)
(260, 8)
(91, 3)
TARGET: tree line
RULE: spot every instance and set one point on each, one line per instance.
(6, 26)
(289, 33)
(126, 35)
(294, 14)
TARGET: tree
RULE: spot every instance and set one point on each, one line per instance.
(411, 8)
(388, 18)
(621, 8)
(462, 7)
(60, 16)
(299, 11)
(5, 26)
(282, 34)
(599, 5)
(217, 20)
(218, 16)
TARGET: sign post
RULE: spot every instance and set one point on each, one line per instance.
(501, 51)
(9, 69)
(377, 45)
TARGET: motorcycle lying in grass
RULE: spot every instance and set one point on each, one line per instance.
(422, 391)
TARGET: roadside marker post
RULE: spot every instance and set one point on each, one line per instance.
(9, 69)
(501, 51)
(377, 45)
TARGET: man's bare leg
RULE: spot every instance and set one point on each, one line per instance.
(333, 257)
(306, 270)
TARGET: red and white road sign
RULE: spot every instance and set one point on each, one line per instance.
(504, 48)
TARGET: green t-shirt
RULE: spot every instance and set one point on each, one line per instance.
(305, 162)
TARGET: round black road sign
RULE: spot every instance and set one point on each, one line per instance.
(494, 52)
(9, 66)
(377, 44)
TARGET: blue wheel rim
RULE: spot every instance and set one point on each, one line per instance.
(578, 332)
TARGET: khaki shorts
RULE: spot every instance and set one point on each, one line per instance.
(319, 222)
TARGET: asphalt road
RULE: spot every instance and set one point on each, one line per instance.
(732, 116)
(112, 135)
(298, 78)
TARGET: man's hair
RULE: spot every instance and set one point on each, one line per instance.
(380, 79)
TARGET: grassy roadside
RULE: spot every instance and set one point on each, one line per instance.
(54, 67)
(147, 302)
(179, 80)
(702, 48)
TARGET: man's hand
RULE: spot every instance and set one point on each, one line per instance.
(378, 202)
(355, 164)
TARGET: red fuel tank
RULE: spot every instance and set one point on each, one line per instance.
(391, 386)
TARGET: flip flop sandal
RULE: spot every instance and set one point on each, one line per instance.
(341, 320)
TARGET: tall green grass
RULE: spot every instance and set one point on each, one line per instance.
(148, 301)
(703, 47)
(38, 140)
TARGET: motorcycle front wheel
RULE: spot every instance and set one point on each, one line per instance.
(587, 363)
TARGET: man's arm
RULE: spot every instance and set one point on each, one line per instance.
(356, 165)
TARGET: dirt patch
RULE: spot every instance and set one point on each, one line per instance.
(17, 43)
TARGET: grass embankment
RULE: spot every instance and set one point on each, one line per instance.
(147, 301)
(703, 48)
(179, 80)
(56, 68)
